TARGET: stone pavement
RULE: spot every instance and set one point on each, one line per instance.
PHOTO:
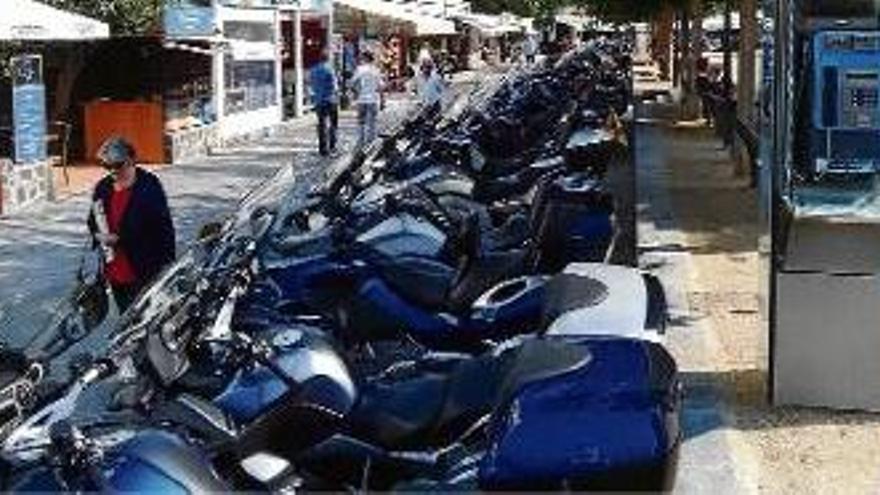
(40, 250)
(684, 178)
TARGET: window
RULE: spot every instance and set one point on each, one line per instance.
(249, 31)
(250, 85)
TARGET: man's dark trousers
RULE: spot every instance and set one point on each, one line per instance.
(328, 121)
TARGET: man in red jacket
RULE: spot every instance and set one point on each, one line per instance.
(131, 222)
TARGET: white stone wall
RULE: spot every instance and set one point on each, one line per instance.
(183, 146)
(23, 185)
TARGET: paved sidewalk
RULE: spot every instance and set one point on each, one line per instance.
(40, 250)
(697, 231)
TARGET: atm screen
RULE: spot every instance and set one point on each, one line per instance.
(860, 105)
(846, 101)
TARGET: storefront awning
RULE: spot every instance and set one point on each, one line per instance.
(421, 25)
(492, 25)
(576, 22)
(30, 20)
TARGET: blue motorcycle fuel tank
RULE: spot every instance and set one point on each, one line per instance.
(152, 461)
(602, 426)
(307, 360)
(159, 462)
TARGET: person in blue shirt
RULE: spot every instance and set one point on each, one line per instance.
(322, 80)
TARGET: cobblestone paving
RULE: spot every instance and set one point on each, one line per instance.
(41, 250)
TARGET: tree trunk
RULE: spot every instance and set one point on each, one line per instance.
(677, 47)
(726, 41)
(664, 24)
(74, 63)
(746, 86)
(693, 42)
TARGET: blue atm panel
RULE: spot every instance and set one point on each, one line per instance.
(846, 102)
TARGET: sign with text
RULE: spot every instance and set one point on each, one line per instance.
(320, 6)
(189, 19)
(28, 108)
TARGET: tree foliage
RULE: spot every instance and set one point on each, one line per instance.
(525, 8)
(614, 10)
(125, 17)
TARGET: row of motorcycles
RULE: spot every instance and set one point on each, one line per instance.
(437, 315)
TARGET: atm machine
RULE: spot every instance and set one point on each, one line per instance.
(845, 134)
(821, 164)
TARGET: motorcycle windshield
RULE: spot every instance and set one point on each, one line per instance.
(178, 282)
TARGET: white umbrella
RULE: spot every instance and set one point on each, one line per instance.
(30, 20)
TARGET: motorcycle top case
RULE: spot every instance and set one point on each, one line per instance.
(575, 221)
(613, 424)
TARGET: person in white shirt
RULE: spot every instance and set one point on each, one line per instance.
(368, 85)
(530, 48)
(429, 85)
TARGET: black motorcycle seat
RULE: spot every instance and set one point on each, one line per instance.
(395, 415)
(433, 410)
(478, 270)
(422, 281)
(512, 234)
(480, 386)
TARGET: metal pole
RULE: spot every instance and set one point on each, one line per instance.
(725, 40)
(330, 20)
(299, 79)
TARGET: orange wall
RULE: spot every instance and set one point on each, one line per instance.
(141, 123)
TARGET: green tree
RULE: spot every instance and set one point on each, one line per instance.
(125, 17)
(525, 8)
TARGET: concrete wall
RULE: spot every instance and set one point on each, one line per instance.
(23, 185)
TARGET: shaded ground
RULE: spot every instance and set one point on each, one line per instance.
(699, 230)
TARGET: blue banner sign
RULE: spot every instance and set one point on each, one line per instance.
(182, 19)
(29, 109)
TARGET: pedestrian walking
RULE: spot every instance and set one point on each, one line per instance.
(131, 222)
(324, 85)
(703, 84)
(349, 64)
(429, 85)
(368, 86)
(530, 48)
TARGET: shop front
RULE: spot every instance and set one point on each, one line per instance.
(25, 164)
(250, 63)
(305, 32)
(395, 33)
(220, 77)
(490, 39)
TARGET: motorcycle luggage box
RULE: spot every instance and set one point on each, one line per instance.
(610, 425)
(590, 150)
(626, 303)
(575, 222)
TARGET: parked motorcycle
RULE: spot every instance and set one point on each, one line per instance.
(229, 381)
(294, 416)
